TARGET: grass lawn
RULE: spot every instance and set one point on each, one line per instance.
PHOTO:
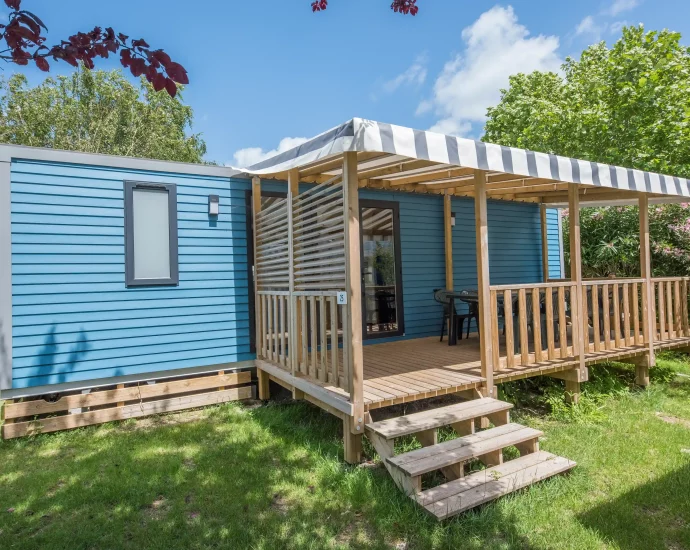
(272, 477)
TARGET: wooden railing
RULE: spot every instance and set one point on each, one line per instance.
(613, 314)
(320, 323)
(273, 311)
(671, 307)
(533, 319)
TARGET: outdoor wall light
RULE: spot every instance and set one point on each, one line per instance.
(452, 218)
(213, 205)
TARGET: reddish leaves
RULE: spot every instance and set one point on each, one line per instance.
(23, 37)
(398, 6)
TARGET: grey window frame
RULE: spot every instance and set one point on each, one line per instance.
(130, 279)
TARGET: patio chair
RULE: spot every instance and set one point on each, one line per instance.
(444, 297)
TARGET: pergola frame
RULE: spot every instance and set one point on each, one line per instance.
(357, 169)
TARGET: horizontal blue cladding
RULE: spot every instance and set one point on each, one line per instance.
(554, 243)
(514, 251)
(73, 317)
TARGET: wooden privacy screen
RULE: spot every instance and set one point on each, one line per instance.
(671, 307)
(272, 271)
(319, 238)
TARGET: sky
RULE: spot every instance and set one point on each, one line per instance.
(267, 74)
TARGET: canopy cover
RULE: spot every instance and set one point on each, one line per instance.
(361, 135)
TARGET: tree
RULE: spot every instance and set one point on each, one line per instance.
(407, 7)
(22, 36)
(627, 105)
(98, 112)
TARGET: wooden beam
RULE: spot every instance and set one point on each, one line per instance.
(576, 278)
(439, 173)
(648, 317)
(544, 244)
(293, 336)
(448, 239)
(592, 194)
(353, 287)
(483, 282)
(394, 168)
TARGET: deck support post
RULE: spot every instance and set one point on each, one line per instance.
(544, 244)
(294, 337)
(572, 387)
(483, 282)
(648, 317)
(263, 383)
(352, 442)
(353, 287)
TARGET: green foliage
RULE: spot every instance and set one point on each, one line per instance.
(627, 105)
(98, 112)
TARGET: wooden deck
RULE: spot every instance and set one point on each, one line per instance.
(409, 370)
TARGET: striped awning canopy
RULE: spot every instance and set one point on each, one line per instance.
(400, 158)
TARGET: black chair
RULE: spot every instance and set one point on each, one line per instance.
(444, 297)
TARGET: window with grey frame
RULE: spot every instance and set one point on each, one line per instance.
(150, 234)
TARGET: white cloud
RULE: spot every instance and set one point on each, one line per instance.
(617, 26)
(619, 6)
(414, 75)
(251, 155)
(496, 46)
(588, 27)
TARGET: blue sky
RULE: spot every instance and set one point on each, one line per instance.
(265, 74)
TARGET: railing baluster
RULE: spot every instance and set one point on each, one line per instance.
(669, 309)
(585, 319)
(562, 328)
(616, 316)
(334, 341)
(313, 366)
(595, 317)
(684, 307)
(304, 365)
(323, 374)
(607, 315)
(282, 329)
(626, 315)
(662, 311)
(495, 339)
(636, 340)
(346, 337)
(551, 348)
(676, 309)
(536, 324)
(524, 341)
(508, 325)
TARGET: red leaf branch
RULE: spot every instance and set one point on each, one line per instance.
(407, 7)
(24, 40)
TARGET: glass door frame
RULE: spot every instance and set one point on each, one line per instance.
(400, 314)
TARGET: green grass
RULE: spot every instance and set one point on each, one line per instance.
(272, 477)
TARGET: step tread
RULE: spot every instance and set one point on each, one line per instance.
(461, 449)
(457, 496)
(436, 418)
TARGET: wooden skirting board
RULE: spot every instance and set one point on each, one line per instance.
(122, 402)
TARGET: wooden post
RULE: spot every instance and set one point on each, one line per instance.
(544, 244)
(573, 387)
(483, 282)
(648, 317)
(293, 336)
(256, 208)
(448, 235)
(353, 287)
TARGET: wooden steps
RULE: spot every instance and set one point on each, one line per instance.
(480, 487)
(450, 457)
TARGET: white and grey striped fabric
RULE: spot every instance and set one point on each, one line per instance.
(370, 136)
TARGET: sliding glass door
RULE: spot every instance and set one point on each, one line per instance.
(382, 308)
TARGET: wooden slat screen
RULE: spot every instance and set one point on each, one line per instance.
(272, 265)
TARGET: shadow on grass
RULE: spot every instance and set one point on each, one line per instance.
(654, 515)
(271, 477)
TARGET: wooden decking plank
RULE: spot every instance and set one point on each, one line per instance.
(452, 488)
(435, 418)
(496, 488)
(434, 457)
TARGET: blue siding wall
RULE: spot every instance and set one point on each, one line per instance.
(514, 251)
(73, 318)
(554, 242)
